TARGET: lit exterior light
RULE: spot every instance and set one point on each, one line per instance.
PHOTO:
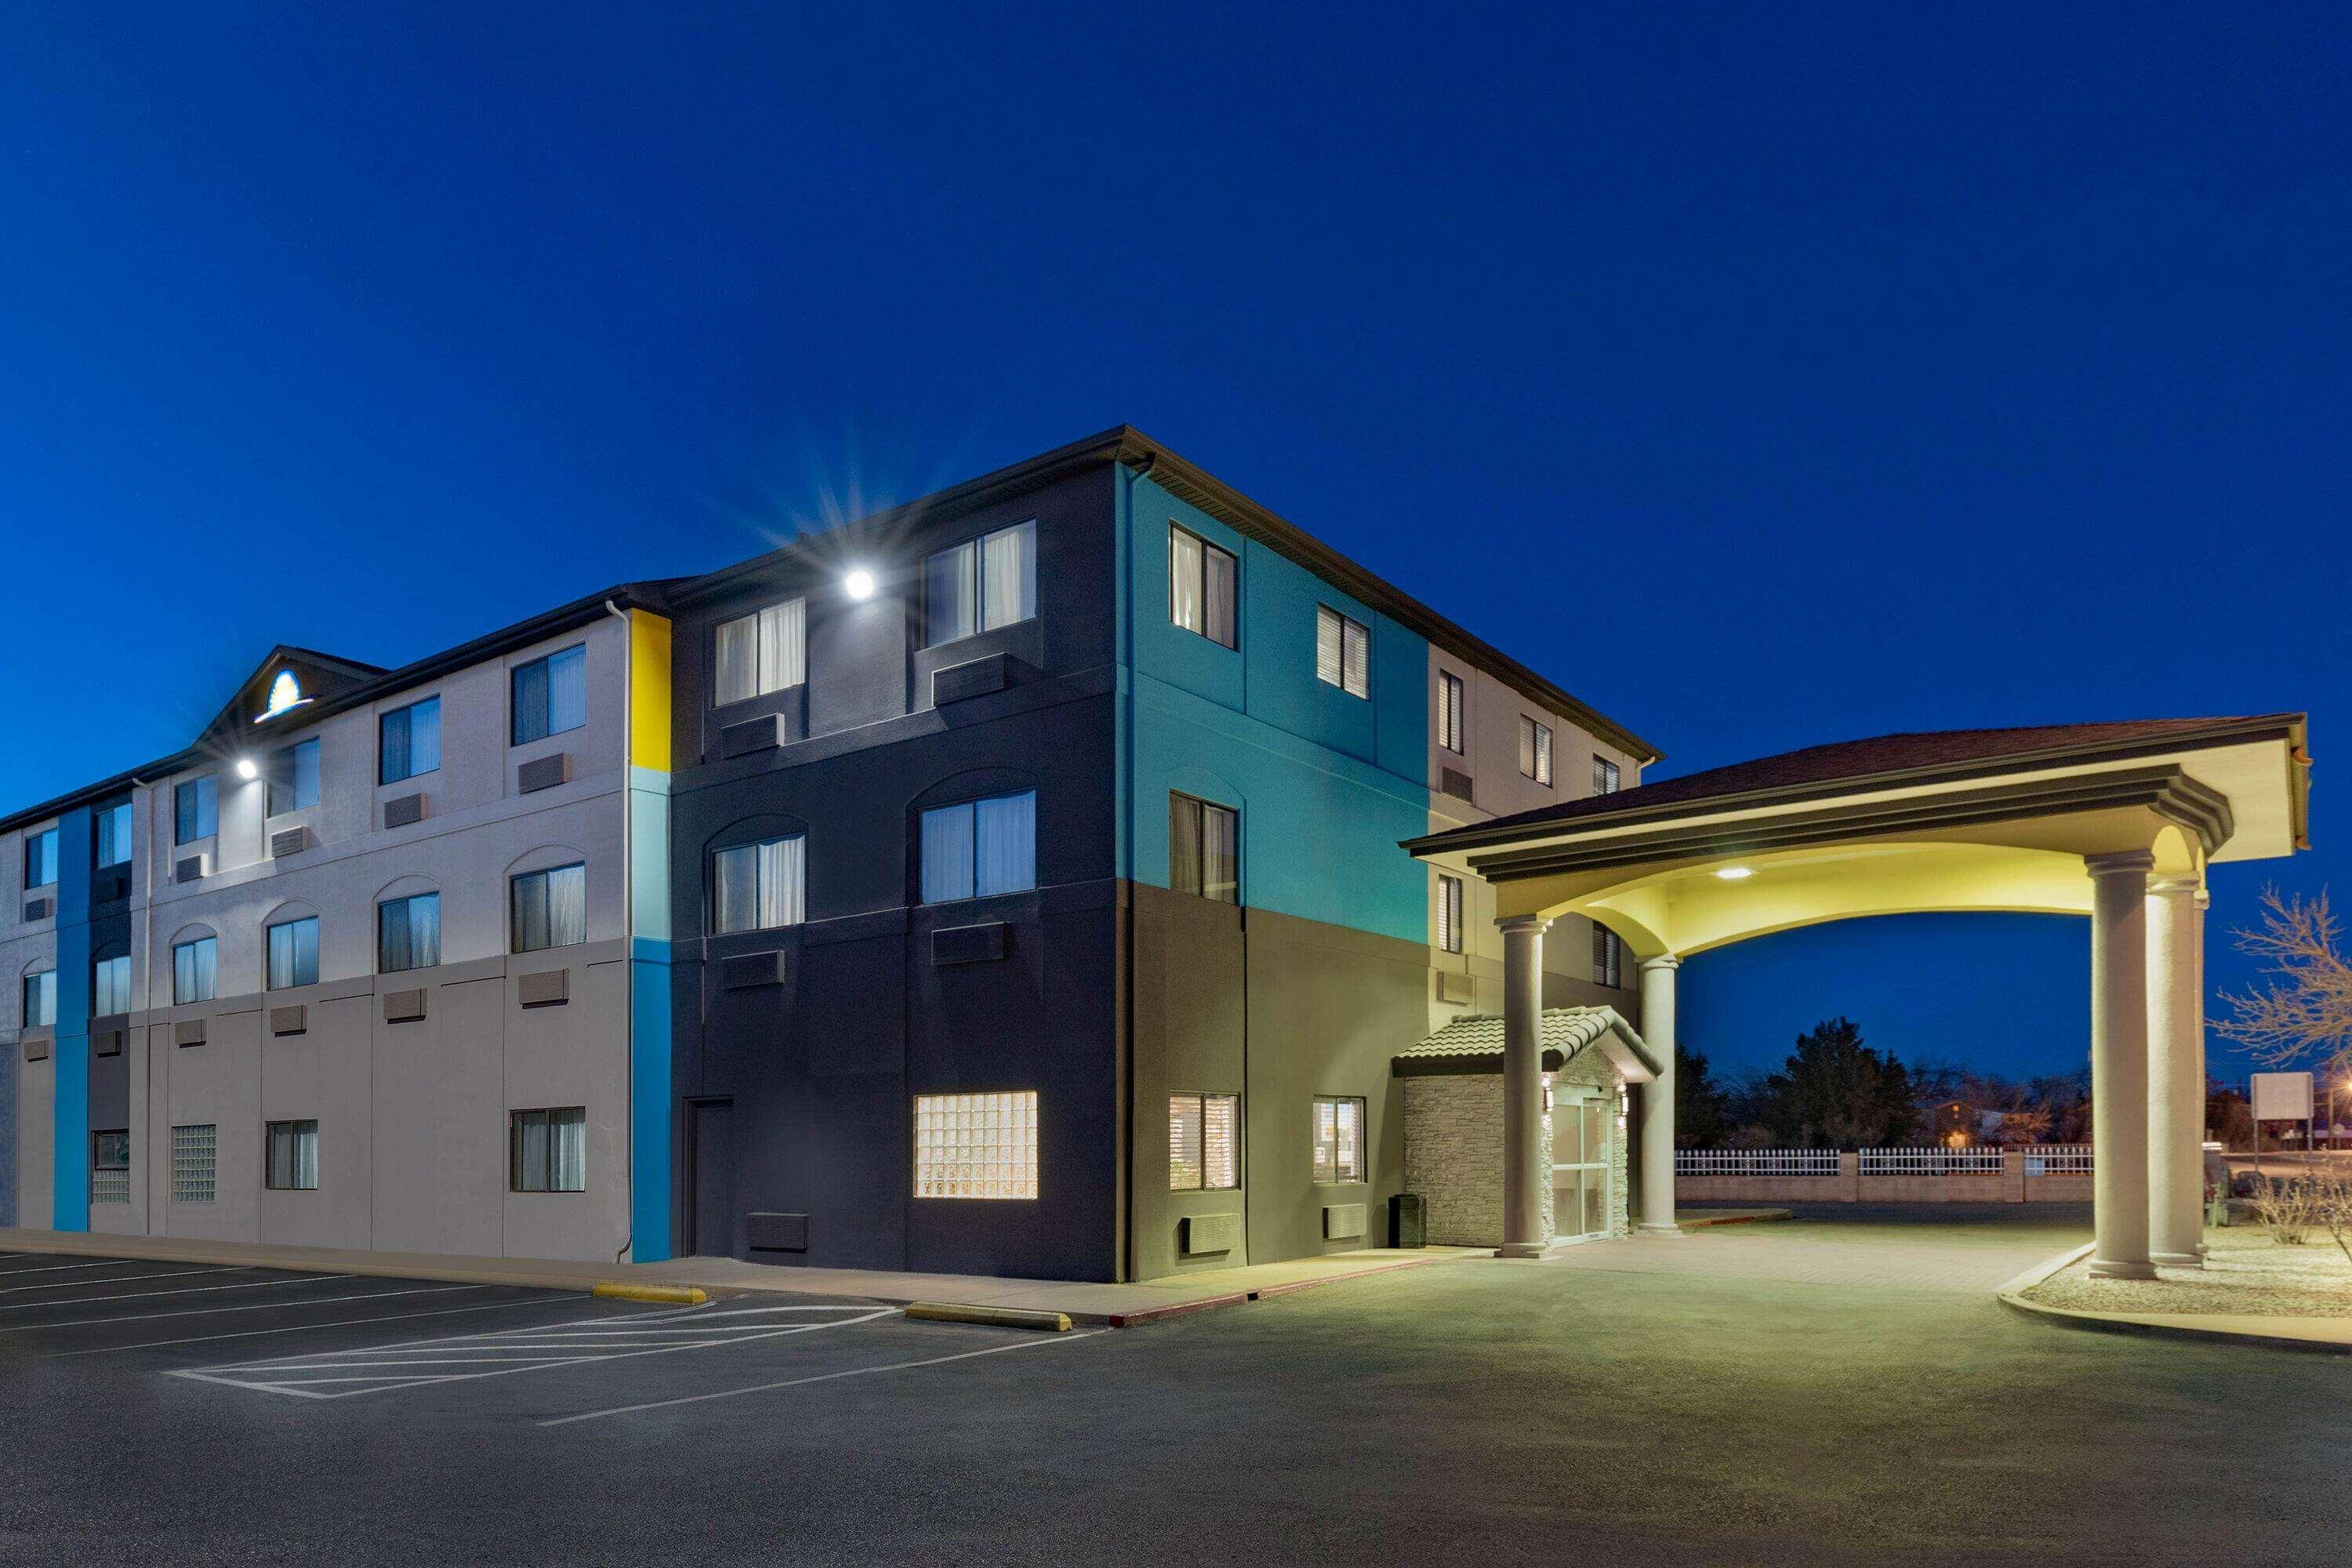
(858, 585)
(1736, 873)
(246, 769)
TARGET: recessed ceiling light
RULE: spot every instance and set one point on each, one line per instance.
(1734, 873)
(858, 585)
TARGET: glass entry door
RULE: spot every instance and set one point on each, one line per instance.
(1582, 1121)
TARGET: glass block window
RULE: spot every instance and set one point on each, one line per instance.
(293, 1162)
(1343, 652)
(1535, 750)
(1201, 579)
(547, 1150)
(1449, 913)
(976, 1145)
(764, 651)
(196, 1163)
(110, 1167)
(1203, 1141)
(1339, 1139)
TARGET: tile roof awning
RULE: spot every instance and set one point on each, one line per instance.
(1474, 1043)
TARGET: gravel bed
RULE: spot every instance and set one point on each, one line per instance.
(2244, 1271)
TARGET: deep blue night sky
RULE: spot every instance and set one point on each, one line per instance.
(1765, 374)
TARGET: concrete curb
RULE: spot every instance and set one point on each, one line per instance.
(674, 1294)
(989, 1317)
(1243, 1297)
(2277, 1333)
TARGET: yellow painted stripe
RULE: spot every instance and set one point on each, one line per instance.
(649, 692)
(994, 1317)
(677, 1295)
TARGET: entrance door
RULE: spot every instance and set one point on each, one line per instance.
(711, 1208)
(1582, 1123)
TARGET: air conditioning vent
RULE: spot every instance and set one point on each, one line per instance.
(543, 988)
(746, 970)
(106, 1042)
(776, 1231)
(36, 908)
(968, 945)
(188, 868)
(764, 734)
(976, 679)
(1452, 986)
(292, 1020)
(404, 810)
(1455, 782)
(1343, 1222)
(403, 1006)
(188, 1032)
(37, 1046)
(542, 773)
(1208, 1233)
(289, 841)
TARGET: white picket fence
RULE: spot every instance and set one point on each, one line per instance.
(2041, 1160)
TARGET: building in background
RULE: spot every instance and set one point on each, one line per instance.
(1009, 882)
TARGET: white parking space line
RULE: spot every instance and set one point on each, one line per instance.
(182, 1290)
(396, 1367)
(212, 1311)
(118, 1279)
(824, 1377)
(330, 1323)
(61, 1267)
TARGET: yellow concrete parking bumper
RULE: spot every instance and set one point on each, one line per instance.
(991, 1317)
(675, 1295)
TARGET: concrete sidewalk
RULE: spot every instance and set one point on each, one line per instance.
(1119, 1306)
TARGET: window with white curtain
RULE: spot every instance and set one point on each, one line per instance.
(195, 810)
(195, 970)
(110, 985)
(40, 858)
(408, 742)
(113, 826)
(978, 848)
(294, 777)
(1204, 855)
(1204, 1142)
(1339, 1139)
(293, 1156)
(40, 999)
(1202, 580)
(764, 651)
(981, 585)
(551, 695)
(1535, 750)
(1343, 652)
(294, 952)
(547, 1150)
(759, 887)
(549, 908)
(408, 933)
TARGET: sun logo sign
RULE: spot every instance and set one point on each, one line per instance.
(285, 693)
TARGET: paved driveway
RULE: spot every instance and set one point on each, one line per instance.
(1967, 1248)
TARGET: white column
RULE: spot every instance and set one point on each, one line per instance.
(2176, 1077)
(1658, 1097)
(2119, 1065)
(1526, 1172)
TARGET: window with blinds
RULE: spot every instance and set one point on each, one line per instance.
(1449, 712)
(1202, 580)
(764, 651)
(1339, 1139)
(1608, 957)
(1204, 854)
(1604, 776)
(1343, 653)
(1449, 913)
(1535, 750)
(1204, 1142)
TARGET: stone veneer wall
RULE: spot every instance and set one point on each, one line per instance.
(1453, 1150)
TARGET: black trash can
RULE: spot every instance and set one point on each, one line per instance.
(1408, 1221)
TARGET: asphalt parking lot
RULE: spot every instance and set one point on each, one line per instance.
(1693, 1407)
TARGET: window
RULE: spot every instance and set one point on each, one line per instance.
(41, 857)
(109, 1166)
(195, 1152)
(981, 585)
(759, 887)
(293, 1162)
(549, 908)
(764, 651)
(1449, 712)
(113, 845)
(408, 742)
(1200, 579)
(110, 985)
(1338, 1139)
(1203, 850)
(294, 952)
(976, 1145)
(1604, 776)
(1449, 913)
(550, 694)
(1343, 653)
(981, 849)
(195, 970)
(294, 777)
(195, 810)
(1535, 750)
(547, 1150)
(41, 999)
(1203, 1141)
(408, 933)
(1608, 957)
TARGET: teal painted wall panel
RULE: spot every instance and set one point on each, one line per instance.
(69, 1051)
(1327, 784)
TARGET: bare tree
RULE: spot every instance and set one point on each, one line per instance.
(2304, 1008)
